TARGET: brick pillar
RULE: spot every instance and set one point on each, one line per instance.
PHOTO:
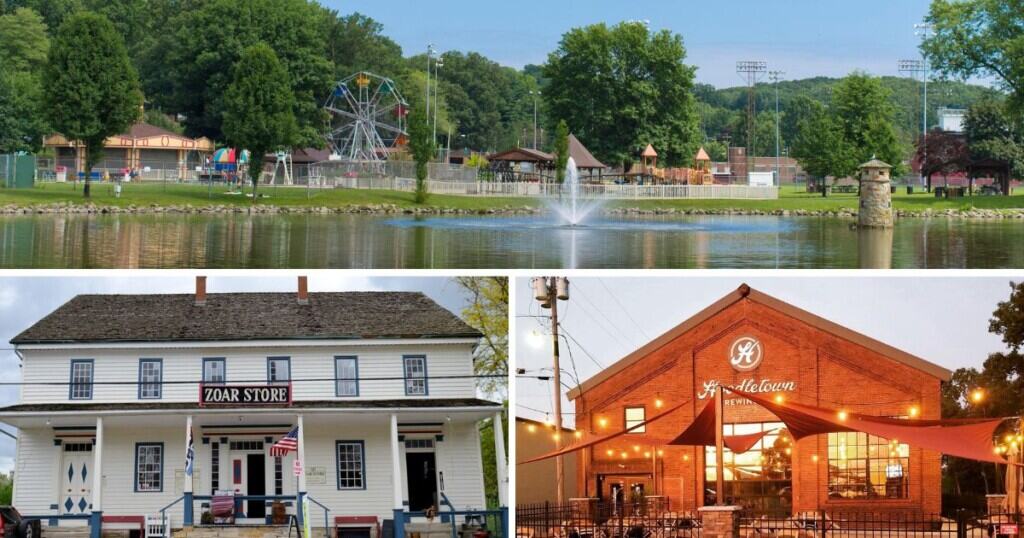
(720, 521)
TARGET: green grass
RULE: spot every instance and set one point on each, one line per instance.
(791, 198)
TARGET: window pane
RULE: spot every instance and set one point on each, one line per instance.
(350, 465)
(347, 384)
(149, 467)
(213, 371)
(81, 380)
(416, 375)
(634, 416)
(150, 376)
(864, 466)
(278, 370)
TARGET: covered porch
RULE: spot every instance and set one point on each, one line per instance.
(110, 466)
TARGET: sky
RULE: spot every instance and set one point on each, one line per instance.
(942, 320)
(25, 300)
(802, 38)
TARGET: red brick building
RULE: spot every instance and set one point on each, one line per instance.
(761, 344)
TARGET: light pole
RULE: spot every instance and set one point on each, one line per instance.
(430, 53)
(437, 65)
(548, 291)
(536, 95)
(775, 75)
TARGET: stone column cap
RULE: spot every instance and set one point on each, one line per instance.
(719, 508)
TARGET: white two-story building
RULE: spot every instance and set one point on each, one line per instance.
(379, 384)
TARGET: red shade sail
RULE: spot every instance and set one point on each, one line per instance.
(971, 439)
(701, 432)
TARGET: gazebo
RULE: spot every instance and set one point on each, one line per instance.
(997, 169)
(585, 161)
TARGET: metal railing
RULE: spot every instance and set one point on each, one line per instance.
(643, 518)
(327, 515)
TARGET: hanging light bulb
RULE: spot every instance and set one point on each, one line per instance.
(547, 420)
(842, 415)
(531, 428)
(578, 434)
(647, 454)
(603, 422)
(661, 452)
(658, 403)
(686, 457)
(914, 411)
(779, 399)
(609, 452)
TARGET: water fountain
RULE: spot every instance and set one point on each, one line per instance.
(572, 209)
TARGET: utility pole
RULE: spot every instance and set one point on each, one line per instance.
(915, 68)
(549, 291)
(775, 75)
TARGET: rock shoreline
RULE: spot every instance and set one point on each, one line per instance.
(391, 209)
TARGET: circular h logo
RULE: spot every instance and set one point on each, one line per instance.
(745, 354)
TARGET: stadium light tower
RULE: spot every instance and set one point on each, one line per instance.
(914, 68)
(751, 71)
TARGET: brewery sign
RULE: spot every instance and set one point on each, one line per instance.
(745, 355)
(245, 395)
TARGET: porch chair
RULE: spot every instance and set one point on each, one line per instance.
(222, 507)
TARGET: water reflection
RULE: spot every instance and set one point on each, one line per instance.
(358, 241)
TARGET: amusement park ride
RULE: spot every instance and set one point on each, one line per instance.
(368, 120)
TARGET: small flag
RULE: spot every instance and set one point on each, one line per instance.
(286, 444)
(190, 454)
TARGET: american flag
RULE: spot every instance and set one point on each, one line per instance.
(286, 444)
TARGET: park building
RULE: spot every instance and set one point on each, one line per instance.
(152, 152)
(756, 343)
(375, 390)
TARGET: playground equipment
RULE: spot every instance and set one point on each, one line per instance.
(367, 120)
(700, 174)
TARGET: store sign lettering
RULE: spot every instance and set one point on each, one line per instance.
(246, 395)
(745, 354)
(753, 386)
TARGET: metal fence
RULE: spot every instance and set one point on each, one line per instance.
(624, 520)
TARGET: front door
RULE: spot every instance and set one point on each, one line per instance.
(421, 470)
(256, 484)
(76, 478)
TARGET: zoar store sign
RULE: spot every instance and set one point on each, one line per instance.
(246, 395)
(745, 355)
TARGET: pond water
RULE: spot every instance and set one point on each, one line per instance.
(390, 242)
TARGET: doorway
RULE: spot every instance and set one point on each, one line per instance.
(421, 473)
(76, 492)
(256, 484)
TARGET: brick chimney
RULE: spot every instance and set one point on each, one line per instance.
(303, 290)
(200, 290)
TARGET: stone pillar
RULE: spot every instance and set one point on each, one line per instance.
(875, 195)
(720, 521)
(96, 514)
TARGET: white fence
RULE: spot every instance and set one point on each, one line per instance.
(522, 189)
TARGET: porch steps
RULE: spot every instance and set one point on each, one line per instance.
(65, 532)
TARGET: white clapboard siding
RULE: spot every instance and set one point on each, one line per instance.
(250, 364)
(119, 495)
(376, 499)
(35, 472)
(459, 459)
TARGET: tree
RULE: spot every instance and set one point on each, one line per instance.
(942, 152)
(979, 38)
(561, 150)
(422, 147)
(861, 105)
(22, 120)
(1001, 378)
(53, 12)
(23, 41)
(488, 313)
(259, 108)
(208, 39)
(356, 43)
(488, 455)
(92, 90)
(821, 146)
(992, 134)
(620, 88)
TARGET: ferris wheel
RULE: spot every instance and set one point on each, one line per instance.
(367, 118)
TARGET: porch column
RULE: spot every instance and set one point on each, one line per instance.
(502, 467)
(300, 456)
(396, 479)
(96, 515)
(188, 475)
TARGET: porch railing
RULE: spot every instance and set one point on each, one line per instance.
(495, 521)
(327, 515)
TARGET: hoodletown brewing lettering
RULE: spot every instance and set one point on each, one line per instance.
(752, 386)
(248, 395)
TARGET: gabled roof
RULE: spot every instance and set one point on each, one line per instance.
(702, 155)
(745, 292)
(145, 130)
(582, 155)
(649, 152)
(875, 163)
(245, 316)
(522, 155)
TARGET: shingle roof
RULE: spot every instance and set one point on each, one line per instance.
(245, 316)
(146, 130)
(581, 155)
(300, 404)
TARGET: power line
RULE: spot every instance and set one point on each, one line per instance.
(238, 382)
(614, 326)
(623, 308)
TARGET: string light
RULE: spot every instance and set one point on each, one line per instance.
(547, 420)
(658, 403)
(914, 411)
(977, 395)
(610, 452)
(578, 434)
(647, 454)
(636, 448)
(624, 455)
(779, 398)
(661, 452)
(686, 457)
(814, 458)
(556, 436)
(602, 422)
(531, 428)
(843, 415)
